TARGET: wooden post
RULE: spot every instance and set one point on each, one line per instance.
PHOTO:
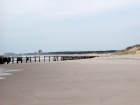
(7, 60)
(12, 60)
(26, 59)
(62, 58)
(17, 59)
(44, 58)
(39, 58)
(49, 58)
(21, 59)
(57, 58)
(73, 58)
(35, 58)
(54, 58)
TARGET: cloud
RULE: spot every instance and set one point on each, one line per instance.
(63, 8)
(28, 12)
(53, 22)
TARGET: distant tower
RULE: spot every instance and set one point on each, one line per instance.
(39, 52)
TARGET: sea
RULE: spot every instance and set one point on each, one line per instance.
(4, 72)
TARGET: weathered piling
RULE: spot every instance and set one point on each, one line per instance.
(35, 58)
(8, 60)
(44, 58)
(4, 60)
(26, 59)
(21, 59)
(17, 60)
(55, 58)
(61, 58)
(49, 58)
(39, 58)
(1, 60)
(12, 60)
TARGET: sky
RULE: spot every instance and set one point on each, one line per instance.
(68, 25)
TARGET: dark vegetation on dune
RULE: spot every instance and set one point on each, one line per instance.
(135, 49)
(81, 52)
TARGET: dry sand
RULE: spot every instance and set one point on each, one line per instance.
(97, 81)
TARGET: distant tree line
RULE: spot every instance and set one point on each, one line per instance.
(73, 52)
(81, 52)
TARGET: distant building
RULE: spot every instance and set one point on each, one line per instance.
(39, 52)
(8, 54)
(1, 54)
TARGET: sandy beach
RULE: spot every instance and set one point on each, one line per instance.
(97, 81)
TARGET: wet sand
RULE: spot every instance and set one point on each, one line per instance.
(97, 81)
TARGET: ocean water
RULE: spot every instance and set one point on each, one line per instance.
(5, 72)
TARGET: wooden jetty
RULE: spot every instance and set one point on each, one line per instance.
(39, 58)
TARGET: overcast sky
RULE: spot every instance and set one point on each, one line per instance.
(68, 25)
